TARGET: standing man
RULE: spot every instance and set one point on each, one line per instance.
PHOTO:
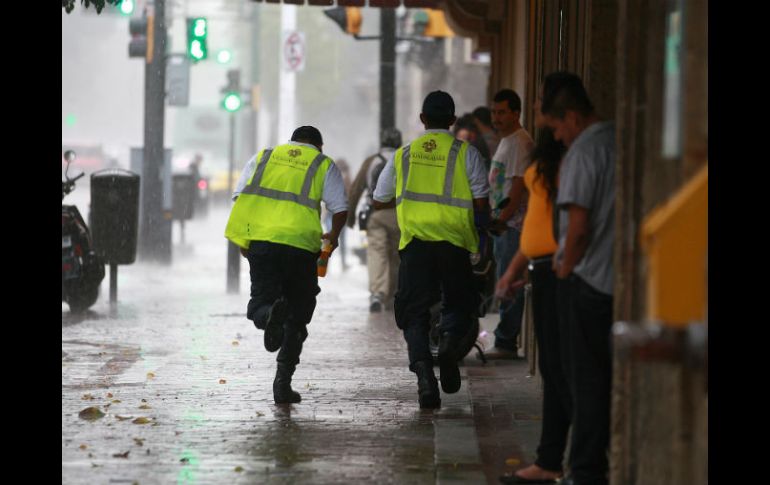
(583, 265)
(382, 234)
(276, 222)
(508, 197)
(440, 189)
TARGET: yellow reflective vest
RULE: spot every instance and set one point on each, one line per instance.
(433, 194)
(281, 202)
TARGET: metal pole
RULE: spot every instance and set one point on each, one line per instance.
(154, 243)
(388, 68)
(113, 283)
(233, 254)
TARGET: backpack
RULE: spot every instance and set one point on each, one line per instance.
(371, 182)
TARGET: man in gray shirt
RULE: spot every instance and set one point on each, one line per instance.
(583, 264)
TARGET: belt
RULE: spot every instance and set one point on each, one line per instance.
(542, 260)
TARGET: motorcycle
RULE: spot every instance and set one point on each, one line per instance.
(82, 270)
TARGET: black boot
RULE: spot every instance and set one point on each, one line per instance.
(447, 361)
(427, 385)
(282, 392)
(276, 317)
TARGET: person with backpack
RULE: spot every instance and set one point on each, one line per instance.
(381, 226)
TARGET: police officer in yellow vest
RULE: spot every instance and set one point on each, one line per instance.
(276, 222)
(440, 188)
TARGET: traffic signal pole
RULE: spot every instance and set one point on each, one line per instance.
(233, 253)
(387, 68)
(155, 242)
(231, 90)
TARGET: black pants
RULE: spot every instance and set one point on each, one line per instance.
(552, 345)
(428, 271)
(278, 270)
(588, 317)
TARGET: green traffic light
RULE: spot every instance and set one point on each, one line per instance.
(197, 31)
(127, 7)
(200, 28)
(232, 102)
(196, 49)
(224, 56)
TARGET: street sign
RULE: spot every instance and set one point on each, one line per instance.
(293, 51)
(178, 80)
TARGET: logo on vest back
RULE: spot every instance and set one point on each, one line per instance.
(429, 146)
(295, 152)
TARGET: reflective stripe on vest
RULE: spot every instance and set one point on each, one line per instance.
(303, 198)
(445, 198)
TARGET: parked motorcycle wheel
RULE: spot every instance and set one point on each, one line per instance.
(465, 344)
(80, 298)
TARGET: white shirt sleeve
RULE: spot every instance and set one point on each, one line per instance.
(334, 195)
(248, 170)
(522, 147)
(386, 184)
(477, 173)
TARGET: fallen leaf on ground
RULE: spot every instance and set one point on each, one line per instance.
(512, 461)
(109, 394)
(121, 455)
(235, 342)
(222, 381)
(116, 401)
(239, 469)
(87, 397)
(141, 421)
(150, 375)
(139, 441)
(123, 418)
(144, 406)
(91, 414)
(83, 447)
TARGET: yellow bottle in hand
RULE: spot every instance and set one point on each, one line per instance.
(323, 260)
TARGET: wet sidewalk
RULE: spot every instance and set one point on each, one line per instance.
(185, 388)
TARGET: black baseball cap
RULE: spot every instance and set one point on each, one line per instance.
(438, 104)
(309, 134)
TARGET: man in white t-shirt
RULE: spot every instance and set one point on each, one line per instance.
(508, 198)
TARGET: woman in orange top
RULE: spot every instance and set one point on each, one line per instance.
(536, 251)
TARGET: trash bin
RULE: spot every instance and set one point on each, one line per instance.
(115, 214)
(183, 196)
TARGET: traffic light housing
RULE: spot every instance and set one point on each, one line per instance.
(197, 31)
(141, 38)
(430, 22)
(348, 18)
(232, 101)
